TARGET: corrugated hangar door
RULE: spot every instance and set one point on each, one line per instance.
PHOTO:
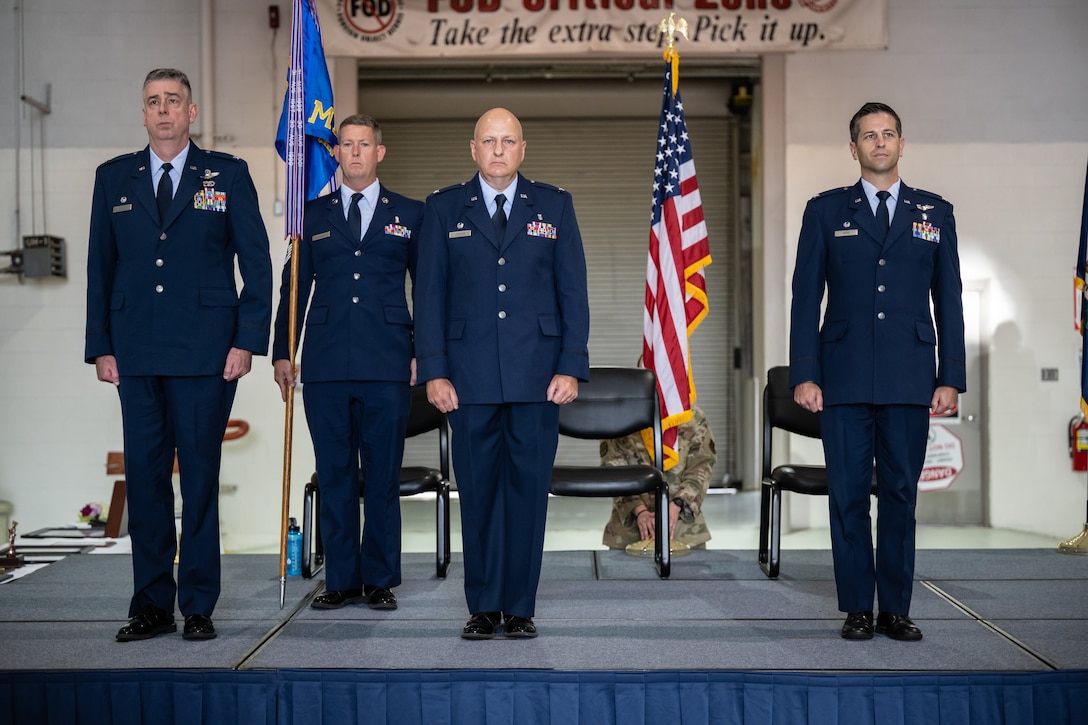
(607, 164)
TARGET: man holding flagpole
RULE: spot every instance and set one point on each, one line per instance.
(359, 241)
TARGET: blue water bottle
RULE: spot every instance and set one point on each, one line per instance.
(294, 548)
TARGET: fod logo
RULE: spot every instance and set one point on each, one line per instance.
(369, 20)
(819, 6)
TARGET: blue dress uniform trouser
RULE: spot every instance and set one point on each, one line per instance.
(896, 436)
(161, 415)
(353, 423)
(503, 456)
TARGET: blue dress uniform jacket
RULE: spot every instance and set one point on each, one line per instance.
(358, 326)
(356, 366)
(162, 299)
(500, 318)
(878, 344)
(878, 360)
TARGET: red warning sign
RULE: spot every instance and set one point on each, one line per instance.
(944, 459)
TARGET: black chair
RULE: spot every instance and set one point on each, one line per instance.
(423, 418)
(614, 403)
(782, 412)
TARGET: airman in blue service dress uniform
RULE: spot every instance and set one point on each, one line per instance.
(878, 365)
(168, 326)
(357, 364)
(502, 330)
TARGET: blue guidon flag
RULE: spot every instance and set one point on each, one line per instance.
(1082, 291)
(307, 131)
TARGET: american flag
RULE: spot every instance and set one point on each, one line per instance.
(676, 300)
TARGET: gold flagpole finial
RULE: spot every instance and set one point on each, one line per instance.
(669, 27)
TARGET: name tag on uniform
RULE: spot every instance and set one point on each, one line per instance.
(122, 207)
(461, 233)
(322, 235)
(846, 232)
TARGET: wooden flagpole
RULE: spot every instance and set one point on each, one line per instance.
(289, 416)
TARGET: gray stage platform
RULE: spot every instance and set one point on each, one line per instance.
(980, 610)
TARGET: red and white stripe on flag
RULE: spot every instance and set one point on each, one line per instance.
(676, 299)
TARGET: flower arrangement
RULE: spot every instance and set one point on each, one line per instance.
(92, 513)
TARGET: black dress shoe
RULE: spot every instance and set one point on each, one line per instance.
(482, 625)
(198, 626)
(335, 599)
(148, 622)
(379, 597)
(858, 625)
(519, 627)
(898, 626)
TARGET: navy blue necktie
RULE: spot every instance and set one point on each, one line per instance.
(164, 194)
(355, 217)
(883, 220)
(500, 216)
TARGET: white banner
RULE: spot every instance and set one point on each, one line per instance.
(492, 29)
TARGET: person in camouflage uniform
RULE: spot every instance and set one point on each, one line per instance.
(633, 516)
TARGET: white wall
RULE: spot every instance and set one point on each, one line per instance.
(56, 421)
(996, 119)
